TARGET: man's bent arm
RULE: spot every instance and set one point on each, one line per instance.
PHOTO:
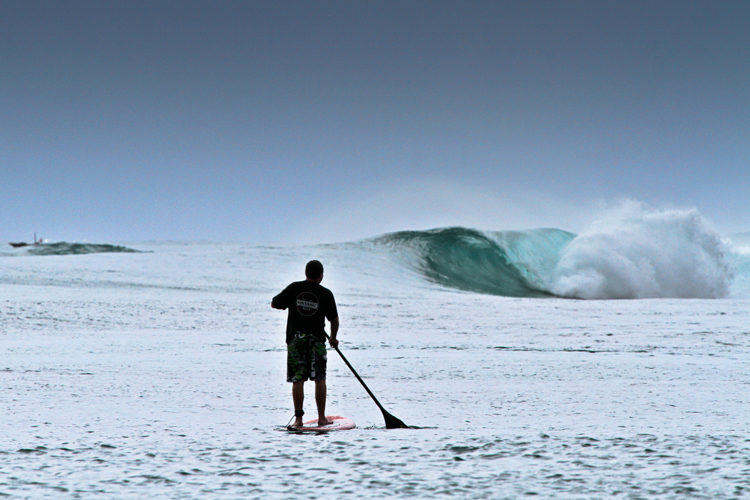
(334, 330)
(278, 302)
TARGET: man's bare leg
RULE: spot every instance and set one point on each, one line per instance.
(320, 400)
(298, 396)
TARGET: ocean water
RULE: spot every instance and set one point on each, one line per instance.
(161, 372)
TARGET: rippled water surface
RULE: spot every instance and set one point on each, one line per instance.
(162, 374)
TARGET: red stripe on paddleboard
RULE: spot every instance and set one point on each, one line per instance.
(339, 424)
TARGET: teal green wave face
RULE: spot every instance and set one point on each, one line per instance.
(510, 263)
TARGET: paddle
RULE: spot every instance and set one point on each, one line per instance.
(391, 422)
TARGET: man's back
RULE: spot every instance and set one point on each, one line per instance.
(309, 304)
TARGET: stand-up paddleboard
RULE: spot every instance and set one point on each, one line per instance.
(339, 424)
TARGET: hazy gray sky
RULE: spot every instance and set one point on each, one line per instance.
(318, 120)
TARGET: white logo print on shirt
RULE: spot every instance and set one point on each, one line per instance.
(307, 303)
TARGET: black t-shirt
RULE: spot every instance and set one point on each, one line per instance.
(309, 303)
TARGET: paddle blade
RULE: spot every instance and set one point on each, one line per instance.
(392, 422)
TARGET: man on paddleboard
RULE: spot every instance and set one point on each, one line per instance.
(309, 304)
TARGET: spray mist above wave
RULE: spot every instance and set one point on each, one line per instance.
(632, 252)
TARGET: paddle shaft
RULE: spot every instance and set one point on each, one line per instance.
(391, 421)
(360, 379)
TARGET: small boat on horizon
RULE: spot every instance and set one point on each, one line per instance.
(19, 244)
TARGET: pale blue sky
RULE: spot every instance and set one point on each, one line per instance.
(319, 121)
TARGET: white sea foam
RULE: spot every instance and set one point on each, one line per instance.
(637, 252)
(162, 374)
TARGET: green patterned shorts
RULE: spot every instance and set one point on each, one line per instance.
(306, 359)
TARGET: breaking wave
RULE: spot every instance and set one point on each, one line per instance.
(631, 252)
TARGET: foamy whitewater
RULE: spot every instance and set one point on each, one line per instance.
(157, 369)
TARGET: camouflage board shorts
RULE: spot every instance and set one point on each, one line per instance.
(306, 359)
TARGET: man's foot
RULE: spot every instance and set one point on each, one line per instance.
(297, 423)
(324, 421)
